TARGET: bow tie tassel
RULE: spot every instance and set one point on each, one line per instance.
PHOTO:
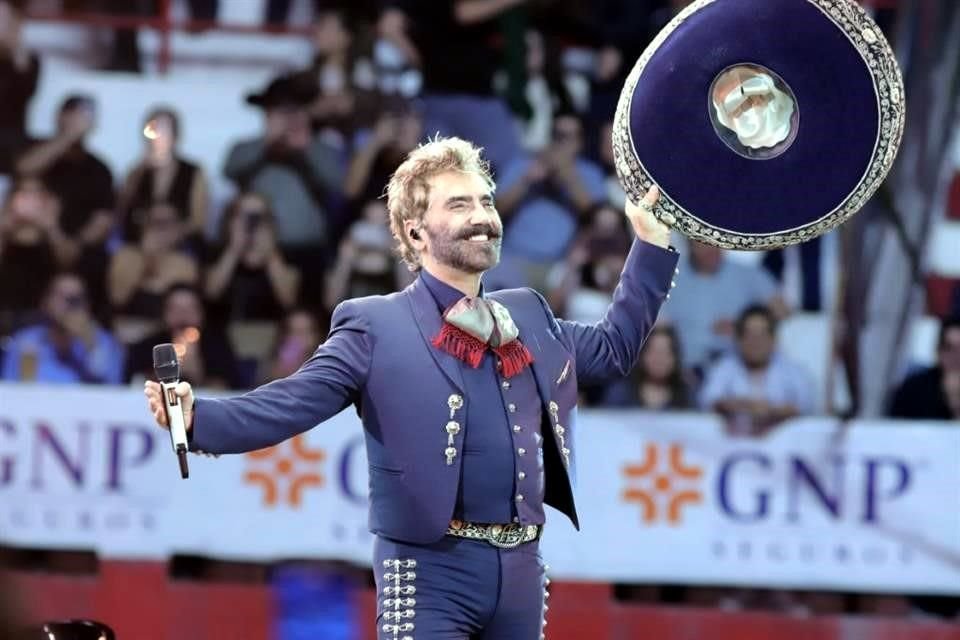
(460, 344)
(514, 356)
(473, 325)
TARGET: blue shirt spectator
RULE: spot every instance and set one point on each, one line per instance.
(68, 346)
(544, 197)
(756, 388)
(711, 292)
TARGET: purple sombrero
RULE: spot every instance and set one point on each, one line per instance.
(764, 122)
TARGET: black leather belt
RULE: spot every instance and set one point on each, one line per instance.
(504, 536)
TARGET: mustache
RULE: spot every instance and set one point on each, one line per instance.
(487, 230)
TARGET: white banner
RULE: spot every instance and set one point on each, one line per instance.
(662, 498)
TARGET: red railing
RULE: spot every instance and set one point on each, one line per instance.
(164, 24)
(140, 601)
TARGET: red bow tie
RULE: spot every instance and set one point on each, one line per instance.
(472, 325)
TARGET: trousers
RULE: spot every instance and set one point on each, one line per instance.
(458, 589)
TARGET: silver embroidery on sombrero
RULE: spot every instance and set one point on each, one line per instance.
(870, 42)
(399, 601)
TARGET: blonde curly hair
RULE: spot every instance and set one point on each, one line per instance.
(408, 193)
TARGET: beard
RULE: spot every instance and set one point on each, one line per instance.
(452, 248)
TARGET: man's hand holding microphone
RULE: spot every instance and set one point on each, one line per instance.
(154, 392)
(171, 401)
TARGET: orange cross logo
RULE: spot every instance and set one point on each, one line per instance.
(283, 474)
(663, 484)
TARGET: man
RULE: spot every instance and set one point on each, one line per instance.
(67, 346)
(546, 197)
(298, 173)
(84, 185)
(467, 401)
(33, 249)
(208, 359)
(933, 394)
(710, 295)
(756, 388)
(448, 36)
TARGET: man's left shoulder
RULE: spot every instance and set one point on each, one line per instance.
(525, 304)
(522, 296)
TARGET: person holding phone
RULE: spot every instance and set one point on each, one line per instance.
(141, 274)
(163, 175)
(84, 186)
(250, 279)
(298, 335)
(67, 345)
(32, 249)
(365, 262)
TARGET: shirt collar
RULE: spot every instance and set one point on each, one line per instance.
(443, 294)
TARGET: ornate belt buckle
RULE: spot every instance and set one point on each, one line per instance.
(504, 536)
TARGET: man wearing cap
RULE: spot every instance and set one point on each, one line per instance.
(467, 400)
(295, 170)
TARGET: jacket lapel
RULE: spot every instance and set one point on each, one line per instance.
(548, 353)
(429, 322)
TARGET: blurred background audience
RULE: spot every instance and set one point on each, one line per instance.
(233, 221)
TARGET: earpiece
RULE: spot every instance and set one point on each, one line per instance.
(414, 234)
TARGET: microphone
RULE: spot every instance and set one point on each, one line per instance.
(167, 367)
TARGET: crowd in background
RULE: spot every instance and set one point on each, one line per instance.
(96, 268)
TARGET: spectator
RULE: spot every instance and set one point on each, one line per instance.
(67, 346)
(207, 358)
(394, 136)
(711, 291)
(544, 198)
(545, 91)
(454, 41)
(365, 262)
(582, 287)
(164, 176)
(19, 71)
(622, 30)
(295, 171)
(32, 249)
(756, 388)
(345, 75)
(142, 273)
(658, 382)
(84, 186)
(298, 338)
(250, 279)
(933, 394)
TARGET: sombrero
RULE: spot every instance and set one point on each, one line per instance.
(765, 123)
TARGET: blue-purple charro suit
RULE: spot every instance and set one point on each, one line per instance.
(379, 357)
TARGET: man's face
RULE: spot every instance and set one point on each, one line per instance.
(67, 295)
(757, 342)
(704, 257)
(949, 352)
(27, 204)
(182, 311)
(462, 228)
(568, 134)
